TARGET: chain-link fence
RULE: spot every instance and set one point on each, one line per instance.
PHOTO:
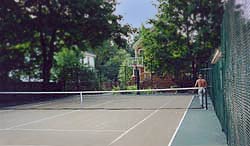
(230, 77)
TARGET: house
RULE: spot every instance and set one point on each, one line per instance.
(88, 60)
(138, 61)
(147, 78)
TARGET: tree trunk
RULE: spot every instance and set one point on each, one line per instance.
(193, 58)
(194, 68)
(45, 72)
(44, 48)
(47, 54)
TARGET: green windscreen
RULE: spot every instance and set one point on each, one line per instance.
(230, 77)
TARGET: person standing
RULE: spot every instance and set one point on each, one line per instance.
(202, 83)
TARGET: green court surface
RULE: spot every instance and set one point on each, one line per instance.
(200, 128)
(166, 121)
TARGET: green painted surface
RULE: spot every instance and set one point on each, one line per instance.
(200, 128)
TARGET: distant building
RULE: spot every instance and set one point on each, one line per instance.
(88, 60)
(138, 48)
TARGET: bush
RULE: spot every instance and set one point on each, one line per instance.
(134, 87)
(116, 88)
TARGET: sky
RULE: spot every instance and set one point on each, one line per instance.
(136, 12)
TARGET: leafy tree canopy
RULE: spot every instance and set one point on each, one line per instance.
(50, 25)
(183, 34)
(109, 60)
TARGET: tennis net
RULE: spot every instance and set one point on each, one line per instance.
(148, 99)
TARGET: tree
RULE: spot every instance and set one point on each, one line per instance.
(184, 33)
(9, 60)
(66, 61)
(125, 72)
(71, 72)
(51, 25)
(109, 59)
(161, 49)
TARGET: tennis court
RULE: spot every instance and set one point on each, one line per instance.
(102, 120)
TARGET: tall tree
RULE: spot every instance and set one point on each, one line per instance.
(183, 31)
(52, 24)
(69, 70)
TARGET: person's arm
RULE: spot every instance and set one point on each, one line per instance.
(196, 83)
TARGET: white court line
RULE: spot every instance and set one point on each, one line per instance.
(1, 111)
(41, 104)
(51, 117)
(33, 105)
(64, 130)
(40, 120)
(138, 123)
(178, 127)
(107, 102)
(25, 145)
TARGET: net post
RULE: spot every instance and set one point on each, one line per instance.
(81, 97)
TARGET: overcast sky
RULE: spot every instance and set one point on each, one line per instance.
(136, 12)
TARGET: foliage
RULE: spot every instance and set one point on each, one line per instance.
(134, 87)
(18, 62)
(161, 52)
(183, 35)
(50, 25)
(69, 69)
(125, 72)
(109, 59)
(116, 88)
(116, 62)
(65, 60)
(10, 59)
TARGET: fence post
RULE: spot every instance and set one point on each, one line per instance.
(206, 99)
(137, 73)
